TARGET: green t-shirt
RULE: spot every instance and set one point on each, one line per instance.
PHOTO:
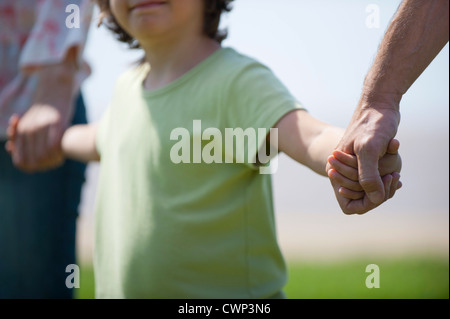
(191, 229)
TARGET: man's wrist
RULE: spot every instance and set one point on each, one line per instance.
(379, 100)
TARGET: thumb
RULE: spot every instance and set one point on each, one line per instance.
(369, 178)
(12, 127)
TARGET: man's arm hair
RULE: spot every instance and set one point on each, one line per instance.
(418, 32)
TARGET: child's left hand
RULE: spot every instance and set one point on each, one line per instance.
(342, 170)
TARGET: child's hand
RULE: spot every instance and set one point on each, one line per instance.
(343, 172)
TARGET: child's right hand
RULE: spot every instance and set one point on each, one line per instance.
(342, 169)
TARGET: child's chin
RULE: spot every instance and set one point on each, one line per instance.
(148, 29)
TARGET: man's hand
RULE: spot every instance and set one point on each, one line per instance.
(37, 136)
(417, 33)
(342, 170)
(368, 137)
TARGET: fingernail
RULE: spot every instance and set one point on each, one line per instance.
(376, 197)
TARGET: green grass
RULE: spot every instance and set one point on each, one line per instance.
(87, 286)
(405, 278)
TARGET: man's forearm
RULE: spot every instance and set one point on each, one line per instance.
(417, 33)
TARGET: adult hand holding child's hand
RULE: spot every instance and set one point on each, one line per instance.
(35, 140)
(372, 128)
(342, 169)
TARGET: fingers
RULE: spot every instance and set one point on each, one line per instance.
(368, 167)
(34, 140)
(387, 183)
(347, 159)
(12, 127)
(393, 147)
(36, 150)
(9, 147)
(364, 205)
(40, 151)
(25, 145)
(369, 177)
(343, 181)
(345, 170)
(342, 201)
(29, 154)
(17, 156)
(349, 194)
(343, 174)
(396, 184)
(351, 202)
(53, 154)
(11, 133)
(353, 195)
(357, 206)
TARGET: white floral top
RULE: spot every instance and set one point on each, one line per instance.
(34, 33)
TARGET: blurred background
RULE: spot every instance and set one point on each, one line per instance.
(322, 50)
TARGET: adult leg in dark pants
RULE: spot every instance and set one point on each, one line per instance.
(38, 215)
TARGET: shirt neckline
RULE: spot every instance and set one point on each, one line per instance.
(180, 80)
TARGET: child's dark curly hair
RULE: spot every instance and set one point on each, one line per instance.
(213, 12)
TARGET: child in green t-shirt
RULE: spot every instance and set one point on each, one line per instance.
(184, 205)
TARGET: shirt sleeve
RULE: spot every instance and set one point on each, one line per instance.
(55, 32)
(102, 131)
(257, 100)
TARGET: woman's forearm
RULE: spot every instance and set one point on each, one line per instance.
(78, 143)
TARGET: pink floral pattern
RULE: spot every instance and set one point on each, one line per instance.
(32, 35)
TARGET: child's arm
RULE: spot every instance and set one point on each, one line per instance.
(307, 140)
(310, 142)
(78, 142)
